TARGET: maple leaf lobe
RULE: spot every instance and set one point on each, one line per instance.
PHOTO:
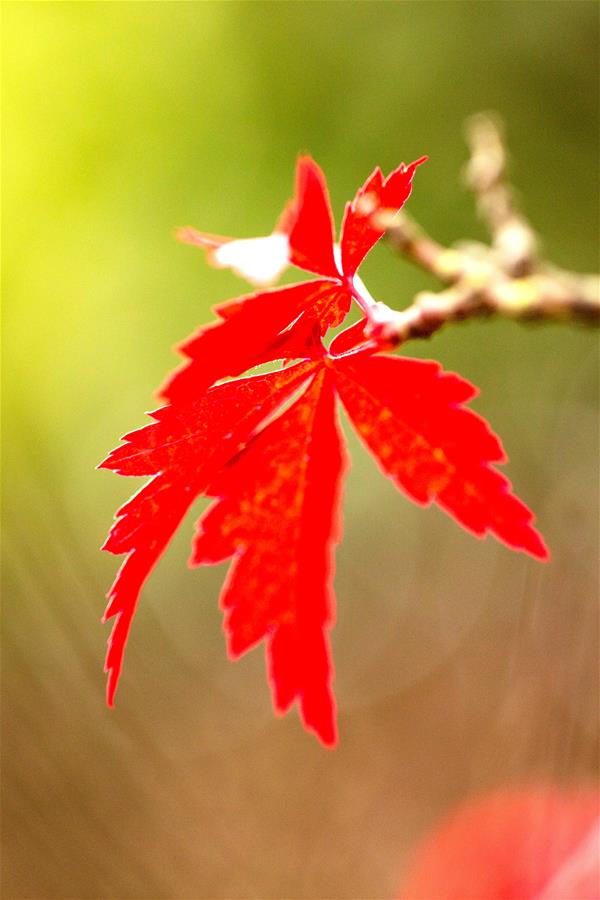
(312, 235)
(410, 416)
(182, 451)
(360, 229)
(277, 515)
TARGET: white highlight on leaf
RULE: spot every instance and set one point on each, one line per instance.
(260, 261)
(337, 258)
(363, 290)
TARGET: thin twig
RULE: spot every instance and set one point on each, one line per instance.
(507, 278)
(513, 237)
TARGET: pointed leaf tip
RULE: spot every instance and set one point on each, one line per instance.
(360, 229)
(312, 235)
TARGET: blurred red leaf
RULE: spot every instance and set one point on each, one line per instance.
(535, 843)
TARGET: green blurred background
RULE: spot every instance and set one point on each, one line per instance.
(460, 665)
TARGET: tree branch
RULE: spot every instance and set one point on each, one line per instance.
(507, 278)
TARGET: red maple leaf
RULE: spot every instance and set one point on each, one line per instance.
(275, 469)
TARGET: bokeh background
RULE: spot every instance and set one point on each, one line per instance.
(460, 665)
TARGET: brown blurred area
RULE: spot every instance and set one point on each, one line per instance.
(460, 666)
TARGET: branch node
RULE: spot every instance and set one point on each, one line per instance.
(506, 278)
